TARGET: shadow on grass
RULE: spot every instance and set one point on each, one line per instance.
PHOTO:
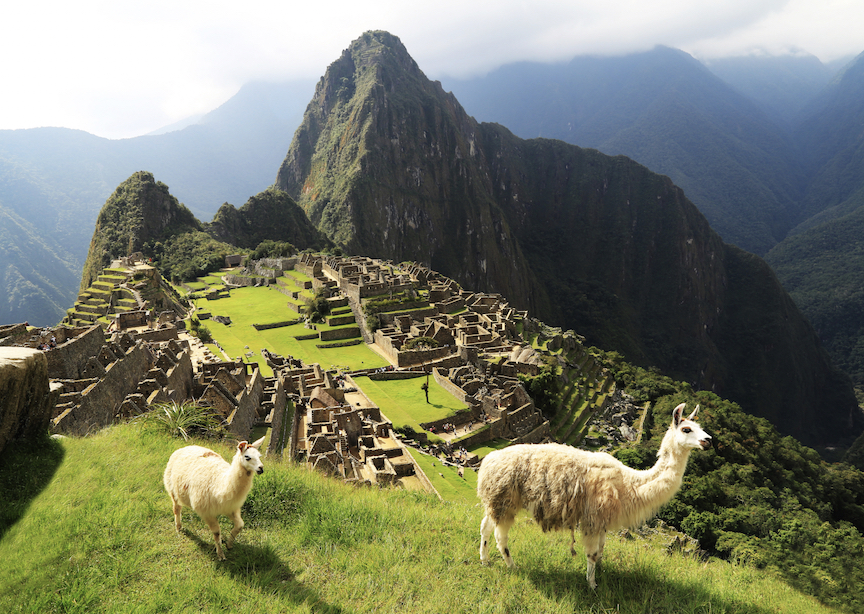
(26, 468)
(261, 568)
(632, 591)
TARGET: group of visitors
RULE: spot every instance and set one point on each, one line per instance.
(47, 345)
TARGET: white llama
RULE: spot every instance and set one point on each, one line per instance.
(562, 487)
(201, 479)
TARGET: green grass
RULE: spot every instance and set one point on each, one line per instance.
(489, 446)
(87, 527)
(248, 306)
(404, 403)
(446, 480)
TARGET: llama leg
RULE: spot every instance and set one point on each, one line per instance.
(178, 523)
(213, 523)
(501, 531)
(593, 551)
(238, 526)
(486, 528)
(572, 542)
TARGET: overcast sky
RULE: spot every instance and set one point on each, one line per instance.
(120, 69)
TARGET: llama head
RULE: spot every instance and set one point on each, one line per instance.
(688, 434)
(250, 457)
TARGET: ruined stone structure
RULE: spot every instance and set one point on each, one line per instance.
(101, 373)
(429, 327)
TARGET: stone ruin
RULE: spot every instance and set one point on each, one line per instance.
(337, 430)
(94, 377)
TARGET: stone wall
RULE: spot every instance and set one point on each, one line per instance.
(280, 421)
(449, 386)
(388, 318)
(410, 358)
(275, 325)
(339, 333)
(165, 333)
(101, 401)
(69, 359)
(13, 334)
(245, 415)
(26, 397)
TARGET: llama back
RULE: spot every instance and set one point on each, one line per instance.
(559, 485)
(191, 473)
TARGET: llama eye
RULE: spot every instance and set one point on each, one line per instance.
(686, 429)
(248, 458)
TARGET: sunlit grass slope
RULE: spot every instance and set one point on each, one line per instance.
(93, 532)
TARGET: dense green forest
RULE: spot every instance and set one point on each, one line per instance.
(822, 270)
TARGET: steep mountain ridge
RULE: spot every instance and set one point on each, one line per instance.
(140, 210)
(386, 163)
(271, 214)
(667, 111)
(358, 145)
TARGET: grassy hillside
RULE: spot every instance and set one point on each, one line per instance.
(88, 528)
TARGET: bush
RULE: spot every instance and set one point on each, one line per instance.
(273, 249)
(204, 334)
(317, 308)
(421, 343)
(183, 420)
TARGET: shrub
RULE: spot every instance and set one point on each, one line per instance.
(317, 308)
(421, 343)
(183, 420)
(204, 334)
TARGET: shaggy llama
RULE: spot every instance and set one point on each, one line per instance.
(204, 481)
(562, 486)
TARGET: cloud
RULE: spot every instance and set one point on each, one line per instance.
(119, 69)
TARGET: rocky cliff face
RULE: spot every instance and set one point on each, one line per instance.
(388, 164)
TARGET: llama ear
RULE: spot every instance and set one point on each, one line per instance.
(257, 444)
(676, 414)
(242, 445)
(693, 415)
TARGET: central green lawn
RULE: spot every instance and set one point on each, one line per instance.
(248, 306)
(404, 403)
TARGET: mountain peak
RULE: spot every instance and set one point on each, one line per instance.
(140, 209)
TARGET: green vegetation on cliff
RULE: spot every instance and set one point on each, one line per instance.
(139, 211)
(822, 269)
(270, 215)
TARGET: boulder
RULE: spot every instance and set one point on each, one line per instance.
(26, 397)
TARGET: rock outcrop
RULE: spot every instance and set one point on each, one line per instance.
(26, 398)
